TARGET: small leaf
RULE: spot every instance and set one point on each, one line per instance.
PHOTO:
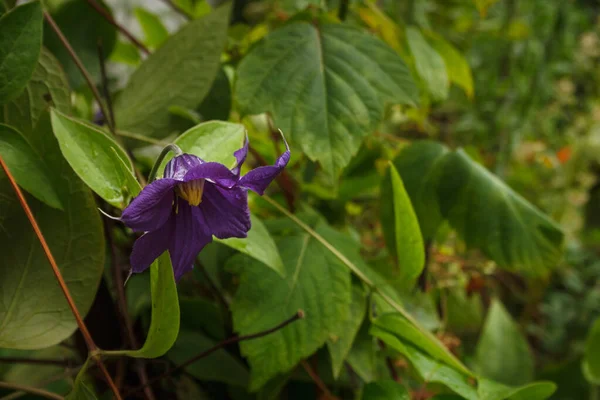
(26, 166)
(125, 53)
(407, 242)
(490, 390)
(429, 64)
(84, 28)
(340, 346)
(20, 46)
(329, 105)
(259, 245)
(179, 73)
(81, 389)
(385, 390)
(591, 358)
(219, 366)
(98, 160)
(315, 281)
(457, 67)
(502, 353)
(164, 326)
(155, 32)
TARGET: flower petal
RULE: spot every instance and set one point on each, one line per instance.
(225, 211)
(214, 172)
(149, 247)
(180, 165)
(152, 207)
(189, 235)
(240, 156)
(259, 178)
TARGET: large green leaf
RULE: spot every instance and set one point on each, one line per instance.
(98, 160)
(315, 281)
(20, 45)
(35, 314)
(219, 366)
(26, 166)
(179, 73)
(502, 353)
(406, 243)
(429, 64)
(335, 98)
(340, 345)
(591, 358)
(486, 212)
(84, 28)
(164, 325)
(385, 390)
(428, 368)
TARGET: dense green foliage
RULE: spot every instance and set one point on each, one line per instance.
(435, 234)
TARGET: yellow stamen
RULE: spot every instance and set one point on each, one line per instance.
(191, 191)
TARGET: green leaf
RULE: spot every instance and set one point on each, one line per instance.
(490, 390)
(428, 368)
(484, 5)
(98, 160)
(155, 32)
(502, 353)
(20, 45)
(464, 312)
(418, 167)
(125, 53)
(84, 28)
(164, 325)
(340, 346)
(259, 245)
(406, 243)
(217, 103)
(429, 64)
(385, 390)
(36, 314)
(363, 355)
(179, 73)
(26, 166)
(82, 390)
(329, 105)
(315, 281)
(398, 325)
(219, 366)
(457, 67)
(591, 358)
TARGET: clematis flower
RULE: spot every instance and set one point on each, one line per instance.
(193, 201)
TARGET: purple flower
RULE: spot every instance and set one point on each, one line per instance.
(194, 201)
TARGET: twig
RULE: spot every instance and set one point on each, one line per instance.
(110, 118)
(283, 180)
(343, 10)
(29, 389)
(77, 61)
(313, 375)
(82, 327)
(37, 361)
(235, 339)
(177, 9)
(122, 307)
(119, 27)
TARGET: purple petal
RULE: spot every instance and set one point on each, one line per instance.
(214, 172)
(149, 247)
(225, 211)
(259, 178)
(240, 156)
(180, 165)
(152, 207)
(189, 236)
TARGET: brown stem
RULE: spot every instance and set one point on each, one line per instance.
(317, 380)
(37, 361)
(119, 27)
(63, 286)
(76, 60)
(235, 339)
(124, 313)
(28, 389)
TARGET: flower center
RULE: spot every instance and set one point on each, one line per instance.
(191, 191)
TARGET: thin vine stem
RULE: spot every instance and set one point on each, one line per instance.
(361, 275)
(32, 390)
(61, 282)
